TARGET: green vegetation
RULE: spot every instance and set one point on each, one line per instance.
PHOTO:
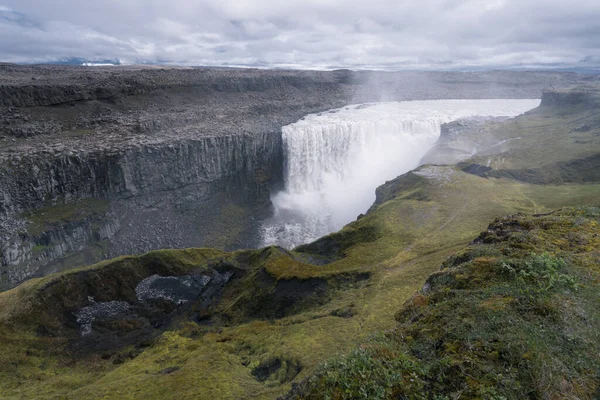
(549, 145)
(38, 248)
(498, 322)
(513, 315)
(82, 131)
(253, 327)
(54, 216)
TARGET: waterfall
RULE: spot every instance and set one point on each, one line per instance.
(334, 161)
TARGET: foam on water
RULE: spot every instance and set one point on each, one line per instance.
(334, 161)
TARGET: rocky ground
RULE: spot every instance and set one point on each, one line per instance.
(115, 107)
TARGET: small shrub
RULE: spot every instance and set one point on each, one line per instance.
(374, 371)
(592, 212)
(540, 274)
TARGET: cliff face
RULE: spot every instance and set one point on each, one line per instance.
(588, 98)
(268, 327)
(460, 140)
(33, 181)
(140, 185)
(99, 162)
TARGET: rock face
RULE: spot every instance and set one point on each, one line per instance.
(99, 162)
(154, 193)
(588, 98)
(461, 139)
(29, 182)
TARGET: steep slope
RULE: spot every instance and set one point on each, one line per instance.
(513, 316)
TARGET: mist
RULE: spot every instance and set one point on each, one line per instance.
(334, 161)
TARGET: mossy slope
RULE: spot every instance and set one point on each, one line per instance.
(513, 316)
(283, 313)
(279, 314)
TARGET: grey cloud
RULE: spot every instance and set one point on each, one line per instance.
(386, 34)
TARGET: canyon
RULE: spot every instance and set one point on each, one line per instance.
(473, 270)
(100, 162)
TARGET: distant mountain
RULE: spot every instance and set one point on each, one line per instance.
(84, 61)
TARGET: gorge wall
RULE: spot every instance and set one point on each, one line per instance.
(99, 162)
(103, 204)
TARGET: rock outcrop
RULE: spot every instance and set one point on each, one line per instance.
(588, 97)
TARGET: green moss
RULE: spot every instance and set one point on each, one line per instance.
(83, 132)
(38, 248)
(48, 218)
(399, 243)
(539, 274)
(487, 327)
(543, 138)
(46, 303)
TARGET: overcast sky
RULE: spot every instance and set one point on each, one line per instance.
(358, 34)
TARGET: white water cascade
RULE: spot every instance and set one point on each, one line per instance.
(334, 161)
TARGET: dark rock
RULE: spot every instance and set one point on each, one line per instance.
(278, 369)
(587, 99)
(476, 169)
(169, 370)
(346, 312)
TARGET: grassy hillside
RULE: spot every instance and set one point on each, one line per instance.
(515, 315)
(280, 315)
